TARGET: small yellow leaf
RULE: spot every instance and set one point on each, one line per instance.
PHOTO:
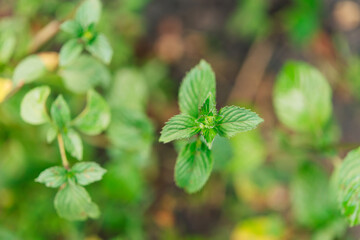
(5, 88)
(50, 60)
(260, 228)
(93, 237)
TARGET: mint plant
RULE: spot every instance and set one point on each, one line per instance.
(302, 102)
(84, 35)
(72, 201)
(70, 63)
(198, 123)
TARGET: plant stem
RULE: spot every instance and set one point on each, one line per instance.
(252, 72)
(14, 91)
(44, 35)
(64, 160)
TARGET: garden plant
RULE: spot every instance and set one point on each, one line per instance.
(135, 116)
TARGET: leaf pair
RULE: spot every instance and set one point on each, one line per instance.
(199, 116)
(82, 173)
(87, 71)
(198, 111)
(94, 118)
(84, 34)
(72, 200)
(230, 121)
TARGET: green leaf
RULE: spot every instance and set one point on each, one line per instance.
(209, 106)
(249, 152)
(87, 172)
(178, 127)
(209, 134)
(222, 152)
(349, 187)
(131, 134)
(85, 73)
(53, 177)
(250, 19)
(28, 70)
(129, 90)
(74, 203)
(51, 133)
(193, 166)
(7, 47)
(7, 234)
(70, 51)
(33, 109)
(196, 86)
(234, 120)
(302, 97)
(60, 113)
(14, 160)
(125, 175)
(100, 48)
(302, 21)
(88, 12)
(95, 118)
(72, 27)
(73, 144)
(312, 198)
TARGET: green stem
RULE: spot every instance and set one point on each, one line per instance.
(64, 160)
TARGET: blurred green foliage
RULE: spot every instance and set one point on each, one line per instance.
(282, 181)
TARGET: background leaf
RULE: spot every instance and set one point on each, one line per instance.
(60, 113)
(53, 177)
(95, 118)
(302, 97)
(88, 12)
(51, 133)
(302, 20)
(313, 200)
(74, 203)
(28, 70)
(7, 47)
(249, 152)
(250, 19)
(73, 143)
(85, 73)
(72, 27)
(87, 172)
(132, 135)
(129, 90)
(100, 48)
(70, 51)
(193, 166)
(33, 108)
